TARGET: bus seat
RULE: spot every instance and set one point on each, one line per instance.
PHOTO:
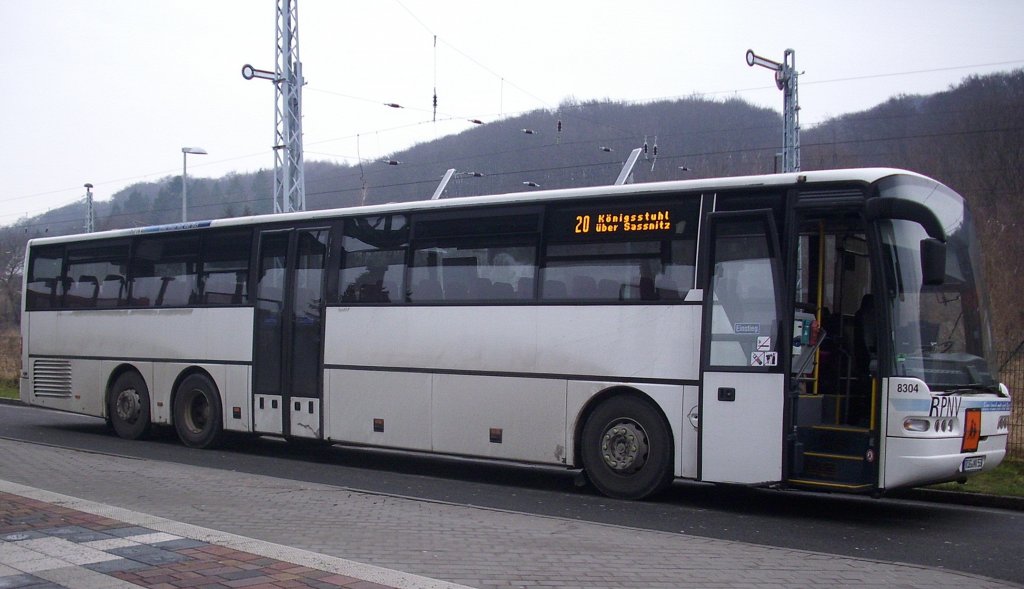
(111, 291)
(524, 288)
(584, 287)
(608, 289)
(480, 288)
(456, 291)
(502, 291)
(667, 290)
(84, 291)
(219, 289)
(555, 289)
(175, 292)
(427, 289)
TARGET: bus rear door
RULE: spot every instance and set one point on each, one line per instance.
(742, 395)
(288, 361)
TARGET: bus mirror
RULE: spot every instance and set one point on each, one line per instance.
(899, 208)
(933, 261)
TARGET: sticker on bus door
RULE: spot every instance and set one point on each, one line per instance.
(972, 430)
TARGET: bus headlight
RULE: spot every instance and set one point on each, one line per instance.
(916, 424)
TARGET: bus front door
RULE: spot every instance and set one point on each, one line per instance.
(742, 393)
(288, 332)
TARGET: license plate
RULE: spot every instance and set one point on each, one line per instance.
(973, 464)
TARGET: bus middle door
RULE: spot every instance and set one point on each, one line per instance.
(742, 394)
(288, 333)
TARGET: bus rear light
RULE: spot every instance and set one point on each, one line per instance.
(916, 424)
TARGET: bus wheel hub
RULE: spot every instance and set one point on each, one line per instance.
(624, 447)
(127, 405)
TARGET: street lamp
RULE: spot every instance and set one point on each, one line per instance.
(184, 177)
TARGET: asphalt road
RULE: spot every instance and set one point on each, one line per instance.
(982, 541)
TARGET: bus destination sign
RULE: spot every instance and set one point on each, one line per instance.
(648, 221)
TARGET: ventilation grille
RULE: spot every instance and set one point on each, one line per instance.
(51, 378)
(838, 195)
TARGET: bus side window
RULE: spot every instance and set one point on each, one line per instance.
(164, 272)
(225, 268)
(98, 273)
(373, 259)
(45, 286)
(475, 272)
(372, 276)
(611, 252)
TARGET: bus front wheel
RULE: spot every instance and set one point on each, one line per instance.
(627, 449)
(128, 406)
(197, 413)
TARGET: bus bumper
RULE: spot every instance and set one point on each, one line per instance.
(920, 461)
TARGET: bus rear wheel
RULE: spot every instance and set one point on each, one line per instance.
(627, 449)
(197, 413)
(128, 406)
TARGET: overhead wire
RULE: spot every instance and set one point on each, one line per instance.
(629, 134)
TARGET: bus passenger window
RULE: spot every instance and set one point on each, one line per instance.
(45, 287)
(623, 271)
(164, 271)
(373, 262)
(372, 276)
(225, 268)
(471, 273)
(96, 276)
(610, 252)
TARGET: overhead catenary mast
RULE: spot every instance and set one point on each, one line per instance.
(90, 213)
(785, 79)
(289, 177)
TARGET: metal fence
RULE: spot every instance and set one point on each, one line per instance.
(1012, 375)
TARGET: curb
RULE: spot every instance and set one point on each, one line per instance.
(961, 498)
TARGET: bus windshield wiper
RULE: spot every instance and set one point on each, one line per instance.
(971, 389)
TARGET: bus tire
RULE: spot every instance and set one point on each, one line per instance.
(197, 413)
(627, 448)
(128, 406)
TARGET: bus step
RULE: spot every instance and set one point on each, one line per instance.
(829, 439)
(848, 469)
(816, 484)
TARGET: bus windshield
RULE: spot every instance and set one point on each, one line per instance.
(941, 333)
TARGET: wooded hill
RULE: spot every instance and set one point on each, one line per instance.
(970, 137)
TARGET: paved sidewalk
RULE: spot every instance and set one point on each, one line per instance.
(45, 543)
(301, 522)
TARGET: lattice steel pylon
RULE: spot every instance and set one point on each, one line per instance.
(289, 177)
(785, 79)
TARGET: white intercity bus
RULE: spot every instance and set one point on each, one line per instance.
(822, 330)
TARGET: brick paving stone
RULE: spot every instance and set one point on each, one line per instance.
(177, 563)
(476, 547)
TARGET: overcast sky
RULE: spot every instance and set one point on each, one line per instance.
(109, 91)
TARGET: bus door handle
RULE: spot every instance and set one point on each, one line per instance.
(726, 394)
